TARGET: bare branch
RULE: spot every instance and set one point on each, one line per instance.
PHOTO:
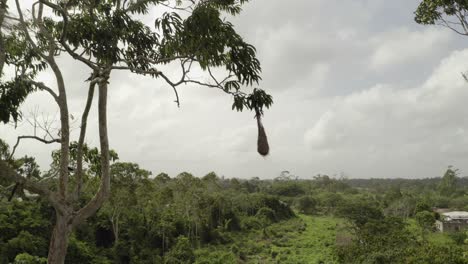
(188, 9)
(174, 87)
(449, 25)
(42, 86)
(462, 21)
(184, 79)
(12, 18)
(46, 126)
(219, 83)
(31, 137)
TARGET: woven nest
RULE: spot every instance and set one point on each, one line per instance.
(262, 142)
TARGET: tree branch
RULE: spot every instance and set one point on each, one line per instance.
(24, 27)
(31, 137)
(84, 122)
(6, 172)
(183, 80)
(62, 41)
(104, 189)
(44, 87)
(62, 12)
(2, 44)
(447, 24)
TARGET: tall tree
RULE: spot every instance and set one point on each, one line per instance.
(448, 184)
(107, 36)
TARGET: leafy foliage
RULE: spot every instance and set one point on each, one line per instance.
(425, 219)
(26, 64)
(430, 12)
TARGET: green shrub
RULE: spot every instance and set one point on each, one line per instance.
(306, 205)
(25, 242)
(25, 258)
(181, 252)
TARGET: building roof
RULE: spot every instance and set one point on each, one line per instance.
(456, 215)
(441, 210)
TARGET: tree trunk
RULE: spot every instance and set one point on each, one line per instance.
(2, 44)
(115, 226)
(104, 189)
(59, 241)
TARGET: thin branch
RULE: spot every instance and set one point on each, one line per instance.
(76, 56)
(13, 191)
(183, 80)
(163, 60)
(220, 84)
(188, 8)
(462, 21)
(47, 126)
(44, 87)
(153, 72)
(447, 24)
(62, 41)
(31, 137)
(174, 87)
(12, 18)
(64, 16)
(24, 27)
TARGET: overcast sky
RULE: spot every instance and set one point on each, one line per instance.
(359, 88)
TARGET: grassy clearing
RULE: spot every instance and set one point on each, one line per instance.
(305, 239)
(316, 244)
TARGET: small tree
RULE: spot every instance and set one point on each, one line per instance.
(306, 204)
(422, 206)
(108, 36)
(426, 221)
(126, 178)
(266, 216)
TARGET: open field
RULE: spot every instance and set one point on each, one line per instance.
(305, 239)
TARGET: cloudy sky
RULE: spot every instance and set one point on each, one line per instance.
(360, 90)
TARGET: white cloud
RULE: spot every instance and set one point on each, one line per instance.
(425, 124)
(402, 46)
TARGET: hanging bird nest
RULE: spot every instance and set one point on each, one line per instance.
(262, 142)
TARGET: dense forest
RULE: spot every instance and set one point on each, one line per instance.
(210, 219)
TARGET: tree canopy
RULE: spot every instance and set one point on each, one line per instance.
(448, 13)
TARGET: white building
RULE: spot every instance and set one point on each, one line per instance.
(452, 221)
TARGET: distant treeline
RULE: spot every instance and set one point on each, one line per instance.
(375, 183)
